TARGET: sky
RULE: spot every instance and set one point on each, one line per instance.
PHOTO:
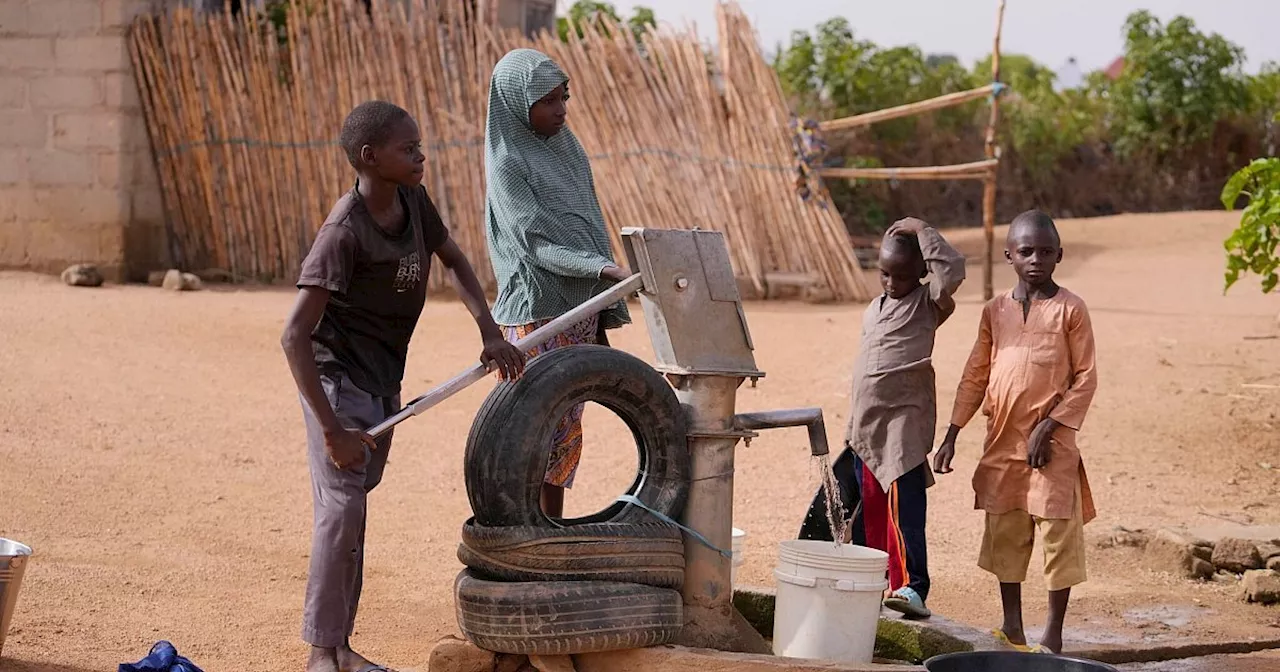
(1050, 31)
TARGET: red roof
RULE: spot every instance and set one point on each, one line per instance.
(1117, 66)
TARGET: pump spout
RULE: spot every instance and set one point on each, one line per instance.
(793, 417)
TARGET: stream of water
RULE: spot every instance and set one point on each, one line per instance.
(837, 517)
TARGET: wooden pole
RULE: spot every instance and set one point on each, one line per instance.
(976, 170)
(918, 107)
(992, 153)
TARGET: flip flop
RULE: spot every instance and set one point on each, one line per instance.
(1038, 648)
(1004, 639)
(907, 602)
(374, 667)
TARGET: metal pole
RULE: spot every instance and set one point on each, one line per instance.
(539, 336)
(711, 621)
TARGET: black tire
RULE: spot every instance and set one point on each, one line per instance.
(565, 617)
(509, 446)
(647, 553)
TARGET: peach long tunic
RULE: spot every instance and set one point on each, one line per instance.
(1020, 372)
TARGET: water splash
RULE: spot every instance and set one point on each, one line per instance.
(837, 517)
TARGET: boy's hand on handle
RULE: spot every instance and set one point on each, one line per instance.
(946, 451)
(1041, 442)
(503, 357)
(907, 226)
(346, 447)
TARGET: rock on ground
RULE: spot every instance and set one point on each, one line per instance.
(913, 642)
(1269, 550)
(1274, 564)
(455, 655)
(83, 275)
(178, 281)
(1261, 586)
(1237, 555)
(1168, 551)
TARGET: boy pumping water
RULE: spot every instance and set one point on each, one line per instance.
(361, 290)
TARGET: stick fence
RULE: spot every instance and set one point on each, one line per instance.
(244, 122)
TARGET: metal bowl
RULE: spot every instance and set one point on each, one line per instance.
(1012, 661)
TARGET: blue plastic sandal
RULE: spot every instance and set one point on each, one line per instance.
(907, 602)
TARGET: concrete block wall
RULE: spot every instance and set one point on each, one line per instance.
(77, 178)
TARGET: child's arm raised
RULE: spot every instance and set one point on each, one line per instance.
(944, 262)
(504, 356)
(970, 393)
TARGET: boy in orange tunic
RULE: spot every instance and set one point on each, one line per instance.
(1032, 374)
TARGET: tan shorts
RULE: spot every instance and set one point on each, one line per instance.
(1009, 538)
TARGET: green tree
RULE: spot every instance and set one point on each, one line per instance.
(1177, 83)
(603, 14)
(1251, 248)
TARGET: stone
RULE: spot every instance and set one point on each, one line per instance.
(680, 659)
(177, 281)
(1261, 586)
(1169, 551)
(1223, 576)
(552, 663)
(1124, 537)
(24, 129)
(1268, 550)
(456, 655)
(83, 275)
(914, 642)
(91, 53)
(54, 167)
(510, 662)
(65, 91)
(1237, 555)
(1274, 564)
(156, 278)
(1203, 552)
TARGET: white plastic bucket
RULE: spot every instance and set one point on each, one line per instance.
(739, 543)
(828, 600)
(13, 564)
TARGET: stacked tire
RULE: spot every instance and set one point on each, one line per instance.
(541, 586)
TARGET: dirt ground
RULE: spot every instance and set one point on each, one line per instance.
(152, 452)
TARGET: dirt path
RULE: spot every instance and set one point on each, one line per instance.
(151, 446)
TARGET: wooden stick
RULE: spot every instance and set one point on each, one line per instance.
(989, 185)
(919, 107)
(977, 170)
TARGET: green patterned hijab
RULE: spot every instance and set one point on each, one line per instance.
(546, 232)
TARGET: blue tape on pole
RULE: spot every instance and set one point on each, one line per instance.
(633, 500)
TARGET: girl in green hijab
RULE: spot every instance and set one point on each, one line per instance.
(547, 239)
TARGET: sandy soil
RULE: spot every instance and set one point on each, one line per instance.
(152, 452)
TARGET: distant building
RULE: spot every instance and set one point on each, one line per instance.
(529, 16)
(1069, 76)
(1114, 70)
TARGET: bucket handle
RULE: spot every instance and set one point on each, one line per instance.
(842, 585)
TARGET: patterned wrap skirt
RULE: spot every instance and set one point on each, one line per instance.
(566, 450)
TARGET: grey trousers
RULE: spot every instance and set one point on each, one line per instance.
(338, 500)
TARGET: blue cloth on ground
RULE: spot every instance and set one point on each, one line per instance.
(162, 658)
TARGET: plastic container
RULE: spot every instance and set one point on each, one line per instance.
(1012, 661)
(828, 602)
(739, 545)
(13, 563)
